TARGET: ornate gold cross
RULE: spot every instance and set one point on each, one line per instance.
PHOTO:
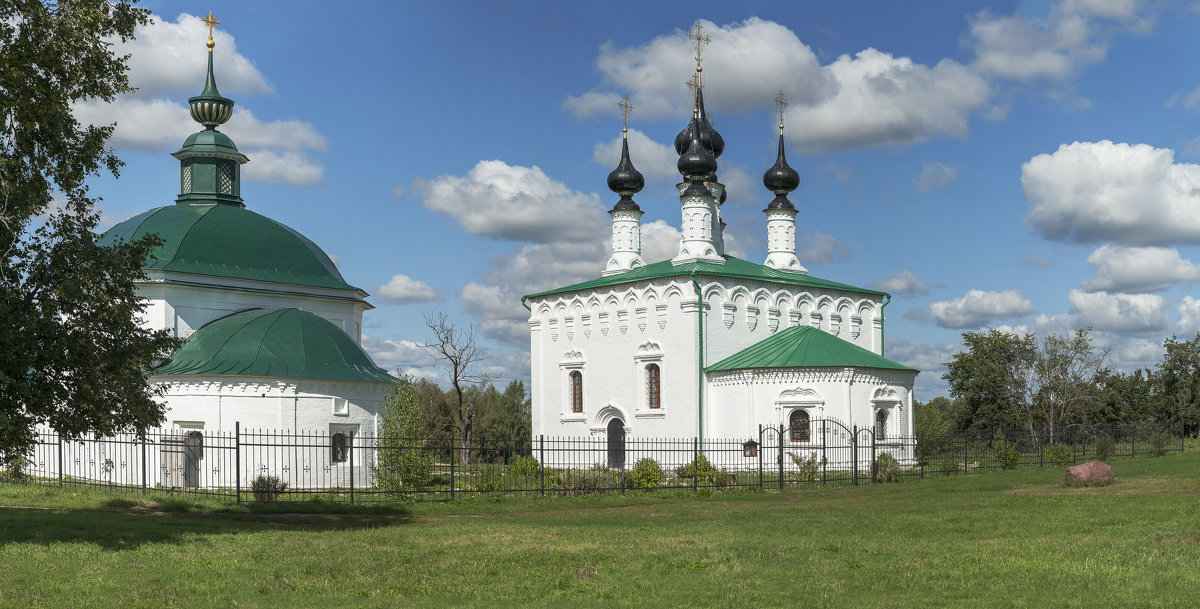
(782, 103)
(694, 83)
(626, 108)
(697, 35)
(210, 21)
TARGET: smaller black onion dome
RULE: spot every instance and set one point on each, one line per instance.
(697, 162)
(684, 139)
(625, 180)
(781, 179)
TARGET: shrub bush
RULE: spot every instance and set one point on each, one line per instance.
(587, 481)
(267, 488)
(810, 468)
(1105, 447)
(646, 474)
(1059, 454)
(1006, 455)
(487, 479)
(887, 468)
(525, 466)
(702, 471)
(13, 471)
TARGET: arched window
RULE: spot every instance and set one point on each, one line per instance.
(653, 386)
(339, 447)
(881, 425)
(798, 424)
(576, 391)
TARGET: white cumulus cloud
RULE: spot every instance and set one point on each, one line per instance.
(866, 100)
(167, 65)
(652, 159)
(978, 307)
(402, 289)
(901, 283)
(516, 203)
(820, 248)
(1089, 192)
(1138, 269)
(1120, 313)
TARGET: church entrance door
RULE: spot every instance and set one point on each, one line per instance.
(193, 451)
(616, 444)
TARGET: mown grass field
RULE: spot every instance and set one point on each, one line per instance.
(1004, 539)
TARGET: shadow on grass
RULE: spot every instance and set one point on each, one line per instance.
(170, 521)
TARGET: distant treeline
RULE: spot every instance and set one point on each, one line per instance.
(1020, 381)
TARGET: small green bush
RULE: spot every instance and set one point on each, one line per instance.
(810, 468)
(14, 470)
(487, 479)
(1006, 455)
(267, 488)
(646, 474)
(1105, 447)
(701, 471)
(1059, 454)
(525, 466)
(587, 481)
(887, 468)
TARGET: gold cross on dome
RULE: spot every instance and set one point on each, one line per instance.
(782, 103)
(697, 35)
(626, 108)
(694, 83)
(210, 21)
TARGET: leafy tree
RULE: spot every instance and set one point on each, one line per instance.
(1062, 383)
(405, 453)
(505, 420)
(989, 379)
(1126, 398)
(72, 353)
(1177, 381)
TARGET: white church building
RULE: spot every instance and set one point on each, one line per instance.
(272, 329)
(707, 345)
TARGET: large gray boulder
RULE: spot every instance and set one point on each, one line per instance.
(1092, 471)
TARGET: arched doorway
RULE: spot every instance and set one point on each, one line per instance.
(616, 443)
(193, 452)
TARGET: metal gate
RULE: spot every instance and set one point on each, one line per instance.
(819, 451)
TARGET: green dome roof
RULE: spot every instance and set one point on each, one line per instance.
(274, 342)
(804, 346)
(229, 241)
(208, 141)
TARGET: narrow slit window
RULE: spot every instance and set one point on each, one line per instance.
(576, 391)
(881, 425)
(653, 386)
(339, 447)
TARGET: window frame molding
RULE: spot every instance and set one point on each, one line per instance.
(648, 353)
(572, 361)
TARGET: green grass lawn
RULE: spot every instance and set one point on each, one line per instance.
(1003, 539)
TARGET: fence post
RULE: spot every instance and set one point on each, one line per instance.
(144, 461)
(760, 457)
(350, 449)
(695, 464)
(60, 457)
(451, 467)
(966, 448)
(542, 464)
(237, 460)
(1041, 452)
(780, 458)
(920, 453)
(1074, 459)
(824, 450)
(854, 453)
(1181, 431)
(1133, 442)
(874, 457)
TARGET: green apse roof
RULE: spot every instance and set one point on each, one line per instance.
(229, 241)
(274, 342)
(804, 346)
(735, 268)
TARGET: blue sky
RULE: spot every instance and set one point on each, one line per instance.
(1029, 166)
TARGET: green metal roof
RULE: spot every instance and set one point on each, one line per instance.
(735, 268)
(274, 342)
(229, 241)
(208, 141)
(804, 346)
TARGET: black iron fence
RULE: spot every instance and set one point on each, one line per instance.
(262, 465)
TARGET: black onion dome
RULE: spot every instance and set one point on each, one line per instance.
(696, 162)
(781, 179)
(625, 180)
(715, 142)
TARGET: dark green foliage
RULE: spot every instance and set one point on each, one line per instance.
(267, 488)
(523, 467)
(1177, 382)
(887, 469)
(987, 378)
(572, 483)
(13, 469)
(701, 471)
(810, 467)
(72, 353)
(1059, 454)
(486, 479)
(1105, 447)
(646, 474)
(405, 458)
(1006, 455)
(934, 422)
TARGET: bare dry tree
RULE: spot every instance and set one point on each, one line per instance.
(458, 350)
